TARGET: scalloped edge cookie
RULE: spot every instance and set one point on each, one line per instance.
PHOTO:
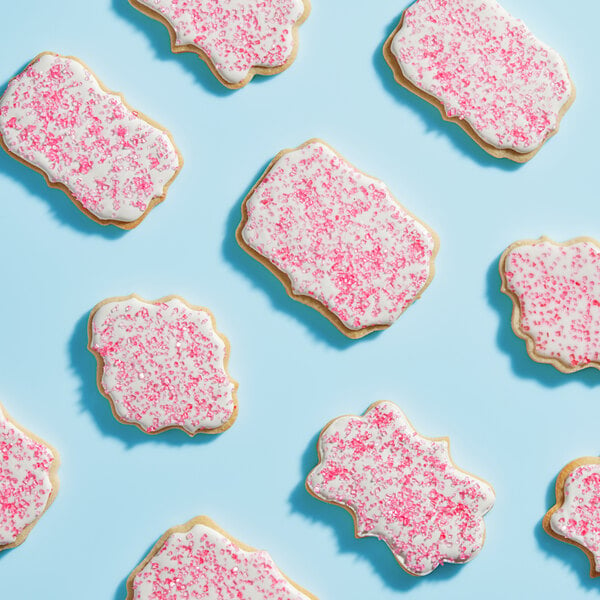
(516, 312)
(100, 363)
(207, 522)
(177, 49)
(348, 509)
(560, 498)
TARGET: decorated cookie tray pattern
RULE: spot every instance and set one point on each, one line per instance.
(341, 242)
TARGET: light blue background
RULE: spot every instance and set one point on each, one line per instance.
(451, 361)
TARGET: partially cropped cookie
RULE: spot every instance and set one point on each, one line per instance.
(163, 365)
(114, 163)
(236, 38)
(555, 289)
(575, 518)
(402, 488)
(199, 560)
(485, 70)
(337, 239)
(28, 481)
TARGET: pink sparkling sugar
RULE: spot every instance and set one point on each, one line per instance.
(114, 164)
(26, 481)
(557, 293)
(578, 518)
(484, 66)
(202, 563)
(163, 365)
(402, 488)
(235, 35)
(339, 236)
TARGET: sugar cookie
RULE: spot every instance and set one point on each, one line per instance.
(163, 365)
(237, 39)
(28, 481)
(114, 163)
(555, 289)
(575, 518)
(402, 488)
(337, 239)
(200, 560)
(484, 70)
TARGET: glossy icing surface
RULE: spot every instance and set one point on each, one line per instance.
(558, 288)
(204, 564)
(578, 519)
(340, 237)
(236, 35)
(402, 488)
(56, 116)
(25, 484)
(485, 67)
(163, 365)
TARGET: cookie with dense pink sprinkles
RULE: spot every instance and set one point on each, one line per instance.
(199, 560)
(337, 239)
(114, 163)
(28, 481)
(402, 488)
(575, 518)
(555, 289)
(163, 365)
(484, 70)
(237, 39)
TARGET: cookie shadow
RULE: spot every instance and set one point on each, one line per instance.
(574, 558)
(431, 116)
(319, 326)
(374, 551)
(508, 342)
(160, 40)
(62, 208)
(84, 364)
(121, 592)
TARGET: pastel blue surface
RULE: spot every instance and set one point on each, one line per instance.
(451, 361)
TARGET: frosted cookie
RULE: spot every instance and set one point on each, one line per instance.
(555, 289)
(402, 488)
(484, 70)
(28, 481)
(236, 38)
(114, 163)
(163, 365)
(199, 560)
(337, 239)
(575, 518)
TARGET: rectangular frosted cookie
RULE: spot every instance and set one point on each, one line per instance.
(484, 70)
(114, 163)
